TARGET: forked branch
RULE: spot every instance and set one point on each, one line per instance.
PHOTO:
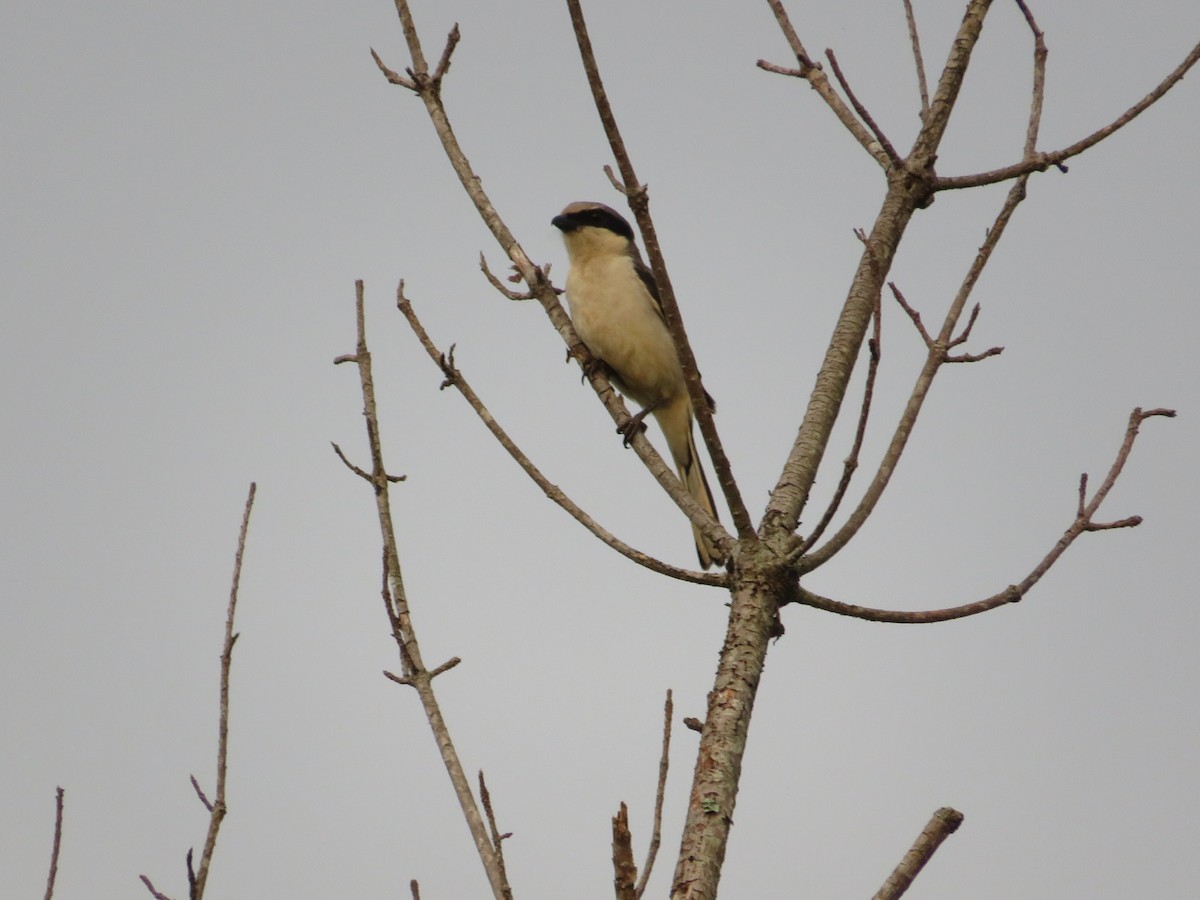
(198, 877)
(535, 277)
(1040, 162)
(938, 347)
(815, 76)
(1084, 521)
(415, 673)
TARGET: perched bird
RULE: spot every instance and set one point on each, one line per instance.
(616, 312)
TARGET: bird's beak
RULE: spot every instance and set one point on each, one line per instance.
(563, 223)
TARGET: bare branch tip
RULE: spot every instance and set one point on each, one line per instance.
(1160, 411)
(391, 75)
(445, 667)
(349, 465)
(200, 794)
(154, 892)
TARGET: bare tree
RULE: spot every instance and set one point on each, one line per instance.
(768, 559)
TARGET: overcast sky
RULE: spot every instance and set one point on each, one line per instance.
(187, 193)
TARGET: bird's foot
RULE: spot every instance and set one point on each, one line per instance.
(635, 423)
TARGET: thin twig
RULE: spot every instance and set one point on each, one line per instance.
(552, 491)
(1084, 522)
(1040, 162)
(499, 285)
(912, 314)
(154, 892)
(639, 204)
(943, 824)
(817, 79)
(867, 118)
(915, 40)
(58, 829)
(659, 794)
(850, 464)
(400, 615)
(443, 65)
(200, 793)
(218, 808)
(415, 889)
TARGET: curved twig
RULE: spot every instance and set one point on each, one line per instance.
(552, 491)
(52, 875)
(1084, 522)
(850, 465)
(1040, 162)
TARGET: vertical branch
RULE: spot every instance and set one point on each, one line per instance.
(58, 826)
(639, 203)
(218, 808)
(415, 673)
(937, 349)
(624, 868)
(663, 764)
(915, 40)
(908, 189)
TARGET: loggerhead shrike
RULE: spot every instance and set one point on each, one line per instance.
(616, 312)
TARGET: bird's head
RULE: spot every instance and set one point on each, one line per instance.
(591, 229)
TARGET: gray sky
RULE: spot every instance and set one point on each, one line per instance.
(189, 192)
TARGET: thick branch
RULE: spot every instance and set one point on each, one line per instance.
(906, 191)
(400, 616)
(1084, 522)
(938, 347)
(943, 824)
(639, 203)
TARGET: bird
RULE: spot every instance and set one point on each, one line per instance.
(616, 311)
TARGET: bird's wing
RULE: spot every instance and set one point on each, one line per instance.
(647, 277)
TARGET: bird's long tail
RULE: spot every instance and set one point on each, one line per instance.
(676, 424)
